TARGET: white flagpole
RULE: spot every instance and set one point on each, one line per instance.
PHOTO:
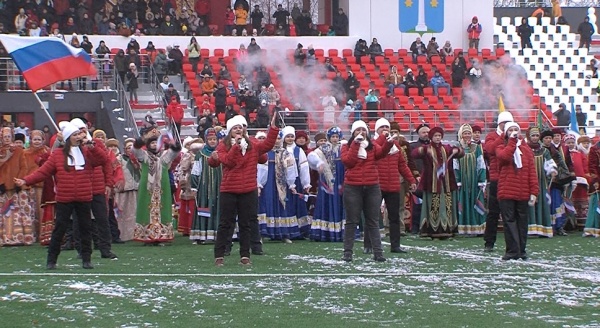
(46, 111)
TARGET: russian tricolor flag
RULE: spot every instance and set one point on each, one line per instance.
(47, 60)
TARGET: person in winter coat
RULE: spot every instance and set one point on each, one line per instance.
(351, 86)
(458, 73)
(175, 114)
(375, 50)
(241, 18)
(517, 190)
(585, 31)
(161, 65)
(194, 54)
(131, 81)
(229, 21)
(238, 155)
(362, 192)
(418, 49)
(409, 81)
(474, 32)
(121, 64)
(393, 169)
(72, 167)
(299, 55)
(360, 50)
(394, 80)
(256, 18)
(524, 31)
(421, 81)
(220, 98)
(340, 23)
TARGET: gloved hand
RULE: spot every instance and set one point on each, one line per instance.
(359, 138)
(392, 137)
(514, 134)
(532, 200)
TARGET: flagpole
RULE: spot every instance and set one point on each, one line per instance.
(46, 111)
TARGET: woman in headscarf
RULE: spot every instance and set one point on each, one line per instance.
(576, 193)
(540, 222)
(154, 211)
(206, 180)
(183, 177)
(31, 155)
(328, 220)
(438, 183)
(126, 198)
(287, 185)
(470, 172)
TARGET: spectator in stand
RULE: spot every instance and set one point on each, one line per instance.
(207, 119)
(203, 29)
(21, 22)
(87, 45)
(131, 81)
(331, 31)
(208, 86)
(152, 29)
(175, 114)
(244, 84)
(231, 91)
(418, 49)
(474, 30)
(43, 28)
(171, 92)
(262, 117)
(256, 18)
(303, 23)
(585, 31)
(133, 45)
(421, 81)
(594, 64)
(253, 47)
(220, 98)
(475, 73)
(329, 66)
(299, 55)
(409, 81)
(563, 116)
(340, 23)
(133, 58)
(168, 27)
(241, 17)
(273, 94)
(351, 86)
(524, 31)
(161, 65)
(70, 27)
(202, 8)
(375, 50)
(438, 81)
(281, 16)
(207, 70)
(311, 57)
(164, 84)
(394, 80)
(263, 95)
(151, 52)
(280, 30)
(581, 120)
(360, 50)
(251, 103)
(229, 21)
(388, 105)
(229, 113)
(432, 49)
(447, 51)
(177, 56)
(34, 30)
(262, 77)
(292, 28)
(194, 54)
(372, 103)
(86, 26)
(224, 73)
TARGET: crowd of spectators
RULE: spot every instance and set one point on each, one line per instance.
(156, 17)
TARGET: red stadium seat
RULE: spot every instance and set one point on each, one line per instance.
(219, 53)
(388, 52)
(347, 53)
(332, 53)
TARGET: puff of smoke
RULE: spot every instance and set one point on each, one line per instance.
(301, 85)
(500, 77)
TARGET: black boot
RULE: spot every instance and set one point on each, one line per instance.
(87, 265)
(347, 257)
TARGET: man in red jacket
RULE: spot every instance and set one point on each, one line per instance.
(392, 169)
(175, 114)
(492, 141)
(517, 189)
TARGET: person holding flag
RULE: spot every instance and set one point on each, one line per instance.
(438, 184)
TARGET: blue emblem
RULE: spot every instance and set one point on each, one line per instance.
(421, 16)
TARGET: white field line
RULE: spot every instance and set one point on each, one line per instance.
(274, 275)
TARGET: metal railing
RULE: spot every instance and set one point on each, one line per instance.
(123, 103)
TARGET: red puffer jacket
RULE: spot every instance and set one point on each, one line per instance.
(363, 172)
(239, 172)
(391, 168)
(492, 141)
(72, 185)
(104, 174)
(513, 183)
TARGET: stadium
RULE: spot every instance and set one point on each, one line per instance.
(157, 90)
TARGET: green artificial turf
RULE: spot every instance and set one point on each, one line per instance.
(437, 284)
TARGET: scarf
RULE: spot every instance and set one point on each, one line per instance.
(285, 171)
(362, 151)
(439, 160)
(584, 150)
(517, 155)
(154, 171)
(76, 159)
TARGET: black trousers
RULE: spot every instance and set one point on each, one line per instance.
(392, 203)
(526, 43)
(63, 222)
(491, 222)
(255, 237)
(245, 208)
(515, 216)
(415, 225)
(358, 200)
(100, 227)
(112, 221)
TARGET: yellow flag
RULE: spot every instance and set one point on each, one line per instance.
(500, 105)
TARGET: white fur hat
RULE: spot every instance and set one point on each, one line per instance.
(509, 125)
(381, 122)
(505, 117)
(78, 123)
(67, 129)
(236, 120)
(359, 124)
(288, 130)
